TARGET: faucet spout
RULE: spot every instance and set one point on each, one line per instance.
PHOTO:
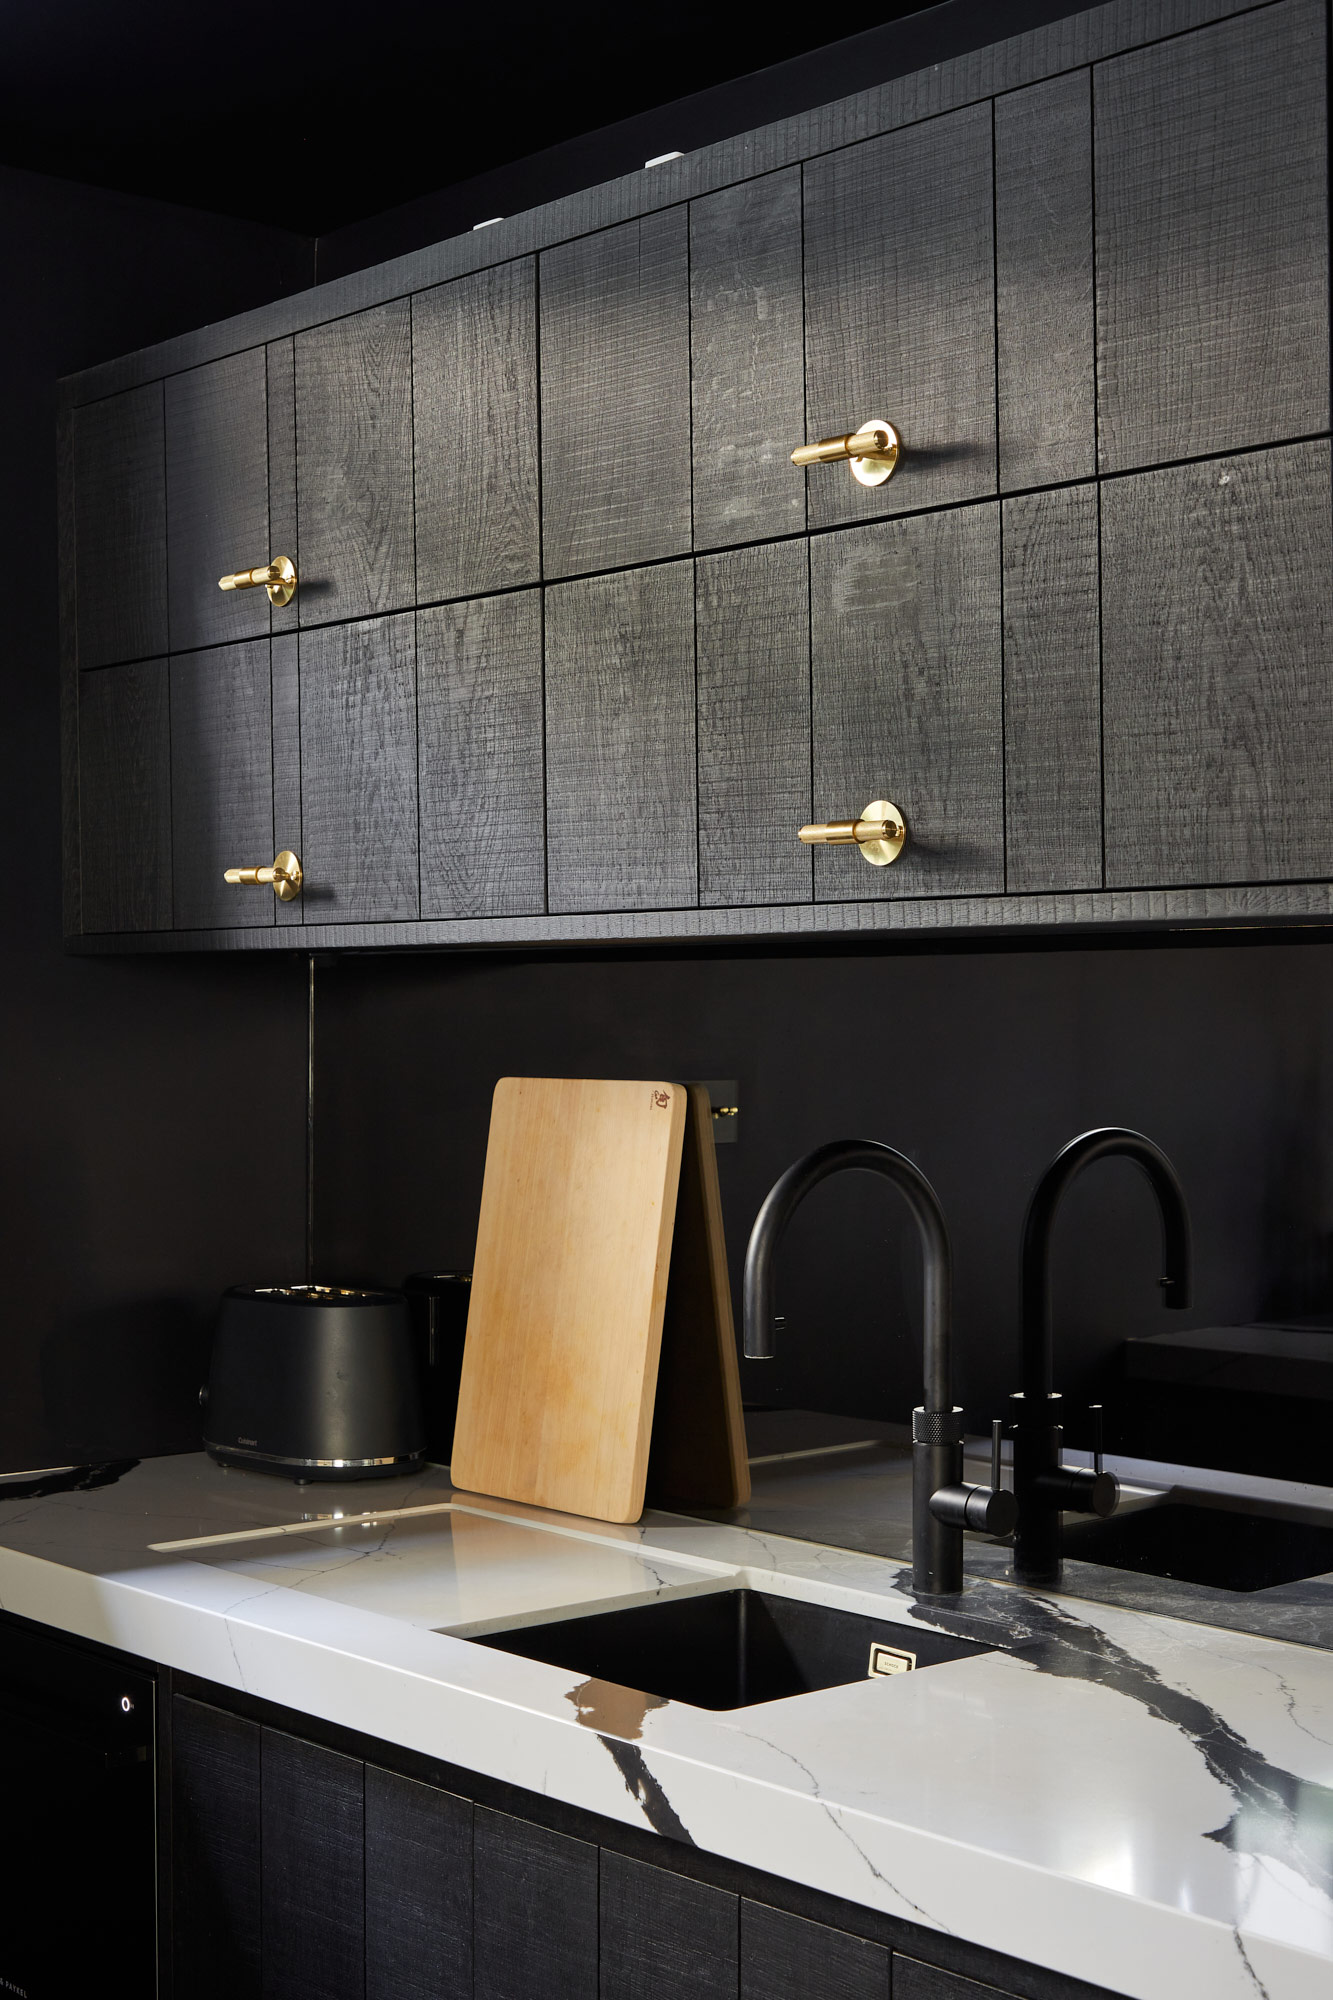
(942, 1506)
(786, 1195)
(1044, 1487)
(1108, 1141)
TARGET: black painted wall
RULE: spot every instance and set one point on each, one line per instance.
(151, 1116)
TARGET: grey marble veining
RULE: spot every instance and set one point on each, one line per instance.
(1145, 1802)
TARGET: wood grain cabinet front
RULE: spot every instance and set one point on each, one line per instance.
(217, 473)
(576, 650)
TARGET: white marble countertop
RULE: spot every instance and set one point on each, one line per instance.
(1138, 1801)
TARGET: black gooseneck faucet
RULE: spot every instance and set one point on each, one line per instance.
(1043, 1486)
(942, 1506)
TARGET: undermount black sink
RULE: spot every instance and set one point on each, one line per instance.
(731, 1648)
(1193, 1543)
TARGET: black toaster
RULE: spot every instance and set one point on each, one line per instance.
(314, 1382)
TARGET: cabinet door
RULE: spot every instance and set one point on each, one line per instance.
(615, 360)
(1045, 363)
(914, 1981)
(621, 829)
(120, 526)
(1052, 692)
(215, 1850)
(479, 712)
(1217, 637)
(474, 404)
(664, 1937)
(313, 1894)
(359, 772)
(217, 499)
(789, 1958)
(905, 667)
(535, 1912)
(125, 798)
(752, 620)
(354, 464)
(1212, 238)
(221, 784)
(418, 1891)
(900, 311)
(747, 360)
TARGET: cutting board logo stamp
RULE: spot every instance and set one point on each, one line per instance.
(661, 1098)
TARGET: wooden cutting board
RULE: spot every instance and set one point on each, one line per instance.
(569, 1286)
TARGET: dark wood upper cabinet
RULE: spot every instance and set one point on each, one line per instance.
(752, 624)
(576, 650)
(474, 402)
(1212, 238)
(479, 717)
(900, 312)
(747, 360)
(120, 514)
(221, 783)
(354, 464)
(1052, 692)
(359, 772)
(907, 702)
(615, 362)
(620, 750)
(1045, 364)
(217, 499)
(125, 797)
(1218, 632)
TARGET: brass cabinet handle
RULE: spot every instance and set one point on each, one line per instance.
(880, 833)
(284, 876)
(872, 448)
(277, 577)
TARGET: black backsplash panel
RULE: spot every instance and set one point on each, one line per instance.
(979, 1063)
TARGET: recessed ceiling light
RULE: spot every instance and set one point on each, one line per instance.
(661, 159)
(489, 223)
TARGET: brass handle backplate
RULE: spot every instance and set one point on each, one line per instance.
(278, 578)
(872, 448)
(880, 833)
(284, 877)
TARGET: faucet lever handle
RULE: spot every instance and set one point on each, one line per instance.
(1095, 1412)
(996, 1453)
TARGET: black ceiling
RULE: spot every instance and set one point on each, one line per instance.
(314, 116)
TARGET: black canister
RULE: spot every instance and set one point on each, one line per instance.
(439, 1303)
(314, 1382)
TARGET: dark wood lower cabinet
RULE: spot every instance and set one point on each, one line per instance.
(215, 1850)
(784, 1955)
(313, 1847)
(305, 1870)
(663, 1936)
(535, 1912)
(418, 1890)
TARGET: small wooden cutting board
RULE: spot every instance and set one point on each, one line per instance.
(569, 1287)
